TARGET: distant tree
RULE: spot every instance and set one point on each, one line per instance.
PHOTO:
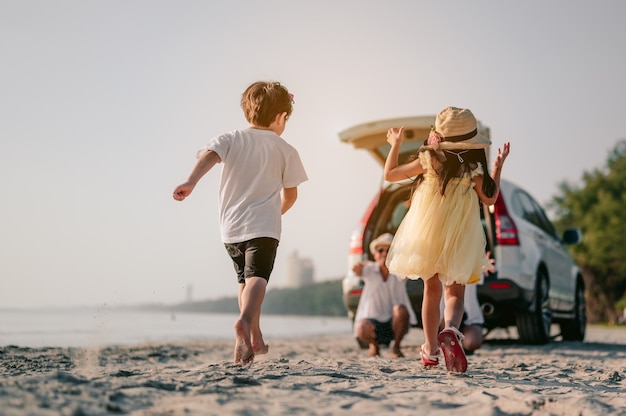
(598, 207)
(317, 299)
(320, 299)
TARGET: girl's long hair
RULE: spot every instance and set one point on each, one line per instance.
(452, 167)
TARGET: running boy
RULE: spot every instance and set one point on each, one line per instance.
(259, 182)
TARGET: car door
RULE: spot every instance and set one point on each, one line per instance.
(553, 254)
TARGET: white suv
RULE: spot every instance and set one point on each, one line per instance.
(536, 282)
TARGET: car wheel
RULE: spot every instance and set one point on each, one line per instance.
(574, 329)
(534, 326)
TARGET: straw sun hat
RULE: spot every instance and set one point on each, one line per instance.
(456, 129)
(382, 240)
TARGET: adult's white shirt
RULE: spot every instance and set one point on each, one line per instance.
(379, 296)
(256, 166)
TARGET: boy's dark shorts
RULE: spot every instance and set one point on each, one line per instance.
(384, 331)
(253, 257)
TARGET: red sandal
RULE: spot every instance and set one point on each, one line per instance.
(450, 344)
(429, 360)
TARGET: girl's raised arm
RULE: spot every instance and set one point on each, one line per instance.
(499, 162)
(495, 174)
(394, 172)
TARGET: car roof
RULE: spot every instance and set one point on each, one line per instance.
(372, 136)
(507, 188)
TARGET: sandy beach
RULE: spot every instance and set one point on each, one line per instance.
(324, 375)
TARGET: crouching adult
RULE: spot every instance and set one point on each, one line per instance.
(384, 313)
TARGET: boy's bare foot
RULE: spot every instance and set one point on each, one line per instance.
(260, 347)
(374, 351)
(244, 353)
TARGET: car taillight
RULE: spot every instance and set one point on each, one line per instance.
(500, 285)
(506, 231)
(356, 241)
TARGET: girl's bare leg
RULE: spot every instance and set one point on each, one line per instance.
(430, 314)
(450, 340)
(453, 311)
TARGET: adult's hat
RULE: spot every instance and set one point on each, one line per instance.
(382, 240)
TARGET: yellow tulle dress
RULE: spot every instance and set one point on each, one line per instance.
(441, 234)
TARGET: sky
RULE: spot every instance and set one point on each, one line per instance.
(103, 104)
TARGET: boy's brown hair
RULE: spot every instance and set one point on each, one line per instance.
(263, 101)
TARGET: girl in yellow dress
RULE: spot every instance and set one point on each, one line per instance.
(441, 236)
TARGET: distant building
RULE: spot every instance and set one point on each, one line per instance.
(299, 270)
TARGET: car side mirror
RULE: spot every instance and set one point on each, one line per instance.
(572, 236)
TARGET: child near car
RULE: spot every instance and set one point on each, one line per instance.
(259, 180)
(441, 238)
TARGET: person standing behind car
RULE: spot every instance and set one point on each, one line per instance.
(384, 312)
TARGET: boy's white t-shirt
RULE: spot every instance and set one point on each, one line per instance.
(256, 166)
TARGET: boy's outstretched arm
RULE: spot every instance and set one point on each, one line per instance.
(288, 198)
(205, 162)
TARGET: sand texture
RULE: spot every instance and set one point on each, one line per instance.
(324, 375)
